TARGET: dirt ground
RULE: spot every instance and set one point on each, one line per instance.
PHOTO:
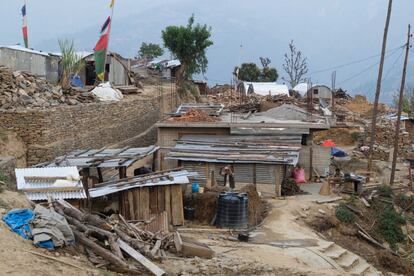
(340, 136)
(16, 258)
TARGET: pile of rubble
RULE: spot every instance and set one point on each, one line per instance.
(21, 90)
(195, 115)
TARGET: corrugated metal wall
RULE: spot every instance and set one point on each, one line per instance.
(321, 159)
(243, 172)
(23, 61)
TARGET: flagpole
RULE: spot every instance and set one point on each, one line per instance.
(109, 36)
(25, 25)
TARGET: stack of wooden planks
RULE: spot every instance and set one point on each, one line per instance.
(139, 203)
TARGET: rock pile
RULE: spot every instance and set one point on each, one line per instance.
(21, 90)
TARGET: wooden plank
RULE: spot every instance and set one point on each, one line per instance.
(150, 266)
(144, 201)
(153, 200)
(160, 200)
(137, 213)
(131, 205)
(167, 202)
(177, 209)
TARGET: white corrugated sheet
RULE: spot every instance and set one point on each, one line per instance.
(301, 88)
(70, 187)
(264, 88)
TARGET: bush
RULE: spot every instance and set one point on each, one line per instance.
(385, 191)
(344, 214)
(389, 226)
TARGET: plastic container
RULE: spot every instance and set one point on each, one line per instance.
(232, 210)
(195, 187)
(189, 213)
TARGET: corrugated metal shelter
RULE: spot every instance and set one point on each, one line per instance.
(54, 182)
(140, 197)
(117, 68)
(321, 92)
(262, 88)
(259, 160)
(40, 64)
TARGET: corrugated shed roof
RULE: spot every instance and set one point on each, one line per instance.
(148, 180)
(102, 158)
(24, 49)
(237, 149)
(56, 182)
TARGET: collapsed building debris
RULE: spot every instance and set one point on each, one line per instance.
(21, 89)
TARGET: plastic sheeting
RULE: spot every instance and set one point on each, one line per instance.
(105, 92)
(19, 221)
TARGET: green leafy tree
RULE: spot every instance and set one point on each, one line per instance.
(248, 72)
(149, 51)
(189, 44)
(251, 72)
(269, 75)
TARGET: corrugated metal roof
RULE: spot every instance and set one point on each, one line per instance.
(102, 158)
(235, 149)
(211, 109)
(56, 182)
(149, 180)
(24, 49)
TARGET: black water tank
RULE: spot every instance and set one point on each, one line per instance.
(232, 211)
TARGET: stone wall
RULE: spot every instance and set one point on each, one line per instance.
(49, 133)
(7, 166)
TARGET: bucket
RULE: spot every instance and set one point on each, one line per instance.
(195, 187)
(189, 213)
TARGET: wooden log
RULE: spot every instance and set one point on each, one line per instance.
(150, 266)
(89, 218)
(109, 236)
(104, 253)
(177, 209)
(138, 245)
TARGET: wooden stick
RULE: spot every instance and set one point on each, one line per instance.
(55, 259)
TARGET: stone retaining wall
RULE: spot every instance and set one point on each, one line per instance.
(52, 132)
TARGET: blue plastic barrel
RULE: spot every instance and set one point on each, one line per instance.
(195, 187)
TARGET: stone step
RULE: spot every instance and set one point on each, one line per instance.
(335, 253)
(348, 261)
(360, 268)
(325, 246)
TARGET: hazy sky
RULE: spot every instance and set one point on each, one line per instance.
(329, 32)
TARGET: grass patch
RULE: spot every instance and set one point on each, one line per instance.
(385, 191)
(344, 214)
(389, 226)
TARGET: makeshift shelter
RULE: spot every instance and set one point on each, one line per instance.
(38, 63)
(259, 160)
(262, 88)
(321, 92)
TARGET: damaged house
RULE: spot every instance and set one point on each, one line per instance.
(261, 147)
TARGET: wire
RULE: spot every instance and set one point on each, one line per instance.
(366, 69)
(352, 62)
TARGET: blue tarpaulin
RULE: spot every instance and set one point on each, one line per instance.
(338, 152)
(18, 220)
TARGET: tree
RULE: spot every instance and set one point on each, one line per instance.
(149, 51)
(251, 72)
(248, 72)
(189, 44)
(265, 61)
(408, 101)
(295, 66)
(269, 75)
(71, 63)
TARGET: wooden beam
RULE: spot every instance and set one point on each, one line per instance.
(177, 209)
(150, 266)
